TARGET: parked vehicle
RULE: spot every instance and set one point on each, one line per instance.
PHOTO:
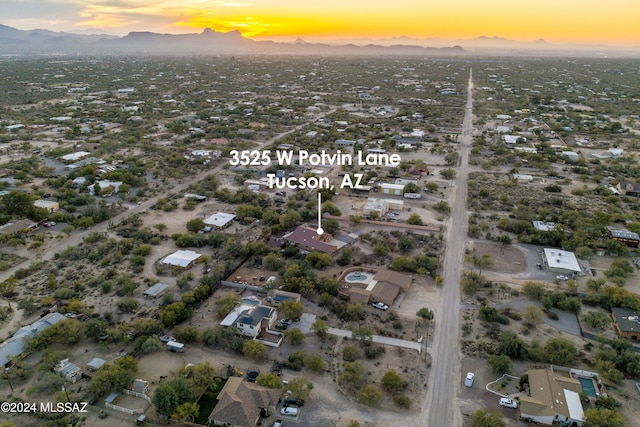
(381, 306)
(286, 322)
(468, 381)
(278, 423)
(289, 411)
(508, 403)
(293, 401)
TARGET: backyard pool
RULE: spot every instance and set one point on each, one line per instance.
(358, 277)
(587, 386)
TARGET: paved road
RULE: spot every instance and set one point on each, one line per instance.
(77, 237)
(439, 406)
(379, 339)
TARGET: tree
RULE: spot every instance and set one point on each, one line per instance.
(314, 362)
(165, 399)
(352, 375)
(300, 388)
(364, 334)
(431, 187)
(596, 320)
(532, 314)
(560, 351)
(511, 345)
(254, 350)
(380, 249)
(226, 303)
(351, 353)
(320, 327)
(414, 219)
(151, 344)
(270, 380)
(186, 410)
(393, 382)
(319, 260)
(482, 418)
(448, 173)
(291, 309)
(195, 225)
(425, 313)
(500, 364)
(294, 336)
(482, 262)
(369, 395)
(601, 417)
(504, 241)
(110, 378)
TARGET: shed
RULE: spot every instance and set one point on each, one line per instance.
(140, 386)
(182, 258)
(156, 290)
(95, 364)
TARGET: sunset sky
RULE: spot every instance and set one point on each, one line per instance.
(611, 22)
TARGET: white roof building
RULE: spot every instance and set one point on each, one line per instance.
(181, 258)
(544, 225)
(220, 220)
(72, 157)
(561, 261)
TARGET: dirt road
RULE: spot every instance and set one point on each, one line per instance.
(439, 407)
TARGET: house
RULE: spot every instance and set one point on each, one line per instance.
(256, 320)
(393, 189)
(240, 403)
(140, 386)
(544, 225)
(628, 188)
(553, 398)
(156, 290)
(571, 156)
(49, 205)
(563, 262)
(375, 286)
(308, 239)
(13, 347)
(220, 220)
(20, 226)
(72, 157)
(181, 258)
(626, 322)
(70, 371)
(377, 206)
(106, 187)
(624, 236)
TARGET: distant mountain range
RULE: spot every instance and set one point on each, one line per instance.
(14, 41)
(29, 42)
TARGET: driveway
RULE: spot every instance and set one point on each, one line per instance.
(305, 322)
(379, 339)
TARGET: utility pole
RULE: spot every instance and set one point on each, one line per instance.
(6, 371)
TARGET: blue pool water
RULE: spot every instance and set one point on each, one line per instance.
(587, 386)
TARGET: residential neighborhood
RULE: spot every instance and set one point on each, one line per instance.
(149, 269)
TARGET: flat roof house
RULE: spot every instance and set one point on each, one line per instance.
(220, 220)
(20, 226)
(553, 398)
(181, 258)
(49, 205)
(560, 261)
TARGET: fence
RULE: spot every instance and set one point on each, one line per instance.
(241, 286)
(136, 394)
(125, 410)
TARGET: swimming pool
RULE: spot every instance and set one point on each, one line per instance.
(358, 277)
(587, 386)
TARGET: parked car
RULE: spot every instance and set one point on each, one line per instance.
(278, 423)
(166, 338)
(289, 411)
(561, 277)
(509, 403)
(381, 306)
(293, 401)
(286, 322)
(468, 381)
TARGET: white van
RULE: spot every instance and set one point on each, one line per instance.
(468, 381)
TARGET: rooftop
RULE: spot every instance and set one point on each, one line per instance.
(557, 258)
(181, 258)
